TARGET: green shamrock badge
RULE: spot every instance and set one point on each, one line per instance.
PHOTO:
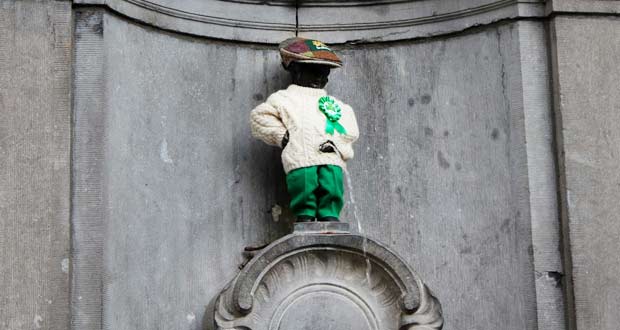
(332, 111)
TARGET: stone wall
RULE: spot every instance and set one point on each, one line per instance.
(586, 54)
(474, 115)
(35, 137)
(441, 171)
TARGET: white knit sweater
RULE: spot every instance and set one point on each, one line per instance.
(296, 110)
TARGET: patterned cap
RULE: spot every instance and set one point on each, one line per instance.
(308, 51)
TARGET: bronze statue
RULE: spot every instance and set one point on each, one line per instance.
(316, 131)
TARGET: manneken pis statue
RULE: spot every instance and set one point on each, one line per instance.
(315, 130)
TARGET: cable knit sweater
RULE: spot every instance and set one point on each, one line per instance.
(296, 110)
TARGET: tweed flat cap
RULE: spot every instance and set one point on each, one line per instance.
(308, 51)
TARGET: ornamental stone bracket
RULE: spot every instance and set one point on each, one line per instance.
(323, 277)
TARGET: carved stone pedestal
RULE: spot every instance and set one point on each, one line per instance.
(323, 277)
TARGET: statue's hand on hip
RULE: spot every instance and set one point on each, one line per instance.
(327, 146)
(285, 140)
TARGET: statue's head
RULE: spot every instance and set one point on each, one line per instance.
(309, 61)
(309, 74)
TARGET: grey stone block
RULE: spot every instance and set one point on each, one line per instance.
(588, 7)
(535, 104)
(35, 141)
(89, 200)
(586, 74)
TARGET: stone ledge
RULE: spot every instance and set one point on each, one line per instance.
(321, 227)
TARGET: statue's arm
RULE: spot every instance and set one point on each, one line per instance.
(344, 142)
(353, 132)
(267, 124)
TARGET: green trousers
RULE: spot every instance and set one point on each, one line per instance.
(316, 191)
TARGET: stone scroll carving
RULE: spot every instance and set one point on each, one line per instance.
(313, 280)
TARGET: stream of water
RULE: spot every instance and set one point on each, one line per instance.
(357, 221)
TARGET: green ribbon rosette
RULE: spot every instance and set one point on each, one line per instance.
(332, 111)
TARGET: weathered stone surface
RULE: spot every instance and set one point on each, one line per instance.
(256, 21)
(443, 156)
(586, 57)
(321, 227)
(337, 281)
(35, 136)
(357, 21)
(272, 21)
(535, 103)
(169, 186)
(182, 183)
(580, 6)
(89, 194)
